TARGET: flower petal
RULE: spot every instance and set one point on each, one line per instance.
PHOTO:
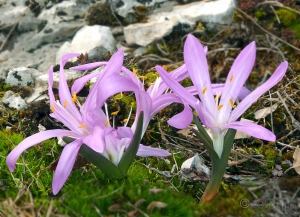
(112, 84)
(197, 67)
(252, 129)
(254, 95)
(146, 151)
(183, 119)
(31, 141)
(176, 87)
(88, 66)
(125, 132)
(80, 82)
(95, 140)
(236, 78)
(65, 165)
(163, 101)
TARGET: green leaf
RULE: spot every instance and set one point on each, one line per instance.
(130, 153)
(105, 165)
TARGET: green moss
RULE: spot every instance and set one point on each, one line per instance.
(287, 17)
(260, 13)
(296, 27)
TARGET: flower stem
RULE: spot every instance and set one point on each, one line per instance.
(218, 168)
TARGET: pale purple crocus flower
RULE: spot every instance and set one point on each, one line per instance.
(221, 113)
(89, 125)
(160, 98)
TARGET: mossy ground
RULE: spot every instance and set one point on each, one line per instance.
(145, 192)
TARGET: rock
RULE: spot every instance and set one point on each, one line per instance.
(10, 15)
(53, 33)
(22, 76)
(41, 59)
(13, 100)
(30, 23)
(183, 17)
(87, 38)
(196, 162)
(64, 11)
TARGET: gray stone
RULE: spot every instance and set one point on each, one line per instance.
(87, 38)
(53, 33)
(30, 23)
(10, 15)
(183, 17)
(22, 76)
(13, 100)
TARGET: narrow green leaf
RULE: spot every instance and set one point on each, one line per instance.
(133, 147)
(202, 131)
(105, 165)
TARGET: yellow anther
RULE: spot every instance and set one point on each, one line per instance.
(134, 71)
(74, 98)
(115, 113)
(230, 79)
(69, 134)
(231, 102)
(233, 106)
(204, 90)
(65, 104)
(215, 99)
(132, 103)
(106, 123)
(125, 120)
(165, 67)
(142, 76)
(220, 106)
(82, 126)
(52, 108)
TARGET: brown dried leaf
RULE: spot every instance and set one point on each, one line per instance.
(139, 202)
(133, 213)
(155, 190)
(116, 208)
(296, 156)
(157, 204)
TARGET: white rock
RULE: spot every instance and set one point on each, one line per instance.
(10, 15)
(196, 162)
(22, 76)
(161, 24)
(64, 11)
(87, 38)
(13, 100)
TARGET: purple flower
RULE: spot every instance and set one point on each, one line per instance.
(88, 125)
(220, 113)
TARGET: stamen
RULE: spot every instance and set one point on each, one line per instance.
(65, 104)
(215, 99)
(220, 106)
(234, 106)
(134, 72)
(142, 76)
(115, 113)
(165, 67)
(52, 108)
(230, 79)
(106, 123)
(204, 90)
(82, 126)
(74, 98)
(125, 120)
(231, 102)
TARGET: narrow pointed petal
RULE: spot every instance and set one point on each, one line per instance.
(31, 141)
(236, 78)
(144, 104)
(253, 130)
(146, 151)
(111, 85)
(183, 119)
(88, 66)
(254, 95)
(65, 165)
(63, 89)
(197, 67)
(125, 132)
(80, 82)
(218, 88)
(95, 140)
(163, 101)
(176, 87)
(115, 63)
